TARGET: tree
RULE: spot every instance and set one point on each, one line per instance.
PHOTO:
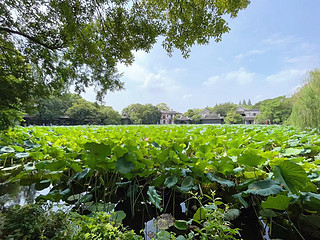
(108, 116)
(163, 107)
(46, 46)
(233, 118)
(84, 112)
(306, 102)
(194, 114)
(224, 108)
(249, 103)
(55, 106)
(275, 111)
(151, 114)
(244, 102)
(142, 114)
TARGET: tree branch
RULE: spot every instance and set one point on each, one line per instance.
(33, 39)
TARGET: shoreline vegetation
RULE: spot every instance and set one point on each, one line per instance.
(228, 178)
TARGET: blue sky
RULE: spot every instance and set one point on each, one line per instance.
(271, 46)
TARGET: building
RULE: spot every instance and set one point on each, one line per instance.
(248, 115)
(210, 118)
(183, 120)
(167, 117)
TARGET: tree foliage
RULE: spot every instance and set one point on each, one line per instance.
(55, 106)
(224, 108)
(233, 117)
(194, 114)
(306, 103)
(142, 114)
(275, 111)
(163, 107)
(48, 45)
(85, 112)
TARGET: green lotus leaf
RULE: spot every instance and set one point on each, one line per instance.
(241, 199)
(22, 155)
(56, 165)
(83, 173)
(171, 181)
(126, 164)
(102, 207)
(279, 202)
(187, 184)
(154, 197)
(96, 152)
(180, 237)
(291, 175)
(313, 200)
(223, 182)
(118, 216)
(268, 213)
(7, 150)
(292, 152)
(181, 225)
(85, 198)
(264, 188)
(251, 158)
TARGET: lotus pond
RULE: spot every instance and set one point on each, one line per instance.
(260, 181)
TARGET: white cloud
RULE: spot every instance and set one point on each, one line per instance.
(307, 62)
(250, 53)
(160, 81)
(240, 76)
(186, 96)
(288, 75)
(212, 80)
(277, 39)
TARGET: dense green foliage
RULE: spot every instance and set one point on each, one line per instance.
(142, 114)
(233, 117)
(55, 106)
(272, 170)
(194, 114)
(35, 222)
(224, 108)
(306, 103)
(75, 109)
(46, 46)
(275, 111)
(40, 221)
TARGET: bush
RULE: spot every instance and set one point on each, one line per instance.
(34, 221)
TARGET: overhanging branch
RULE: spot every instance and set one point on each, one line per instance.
(33, 39)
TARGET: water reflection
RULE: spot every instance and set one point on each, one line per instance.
(15, 194)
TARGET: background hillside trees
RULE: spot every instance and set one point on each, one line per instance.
(45, 46)
(306, 103)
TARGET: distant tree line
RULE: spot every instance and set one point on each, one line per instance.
(73, 109)
(301, 110)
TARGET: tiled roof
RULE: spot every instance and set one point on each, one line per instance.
(212, 116)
